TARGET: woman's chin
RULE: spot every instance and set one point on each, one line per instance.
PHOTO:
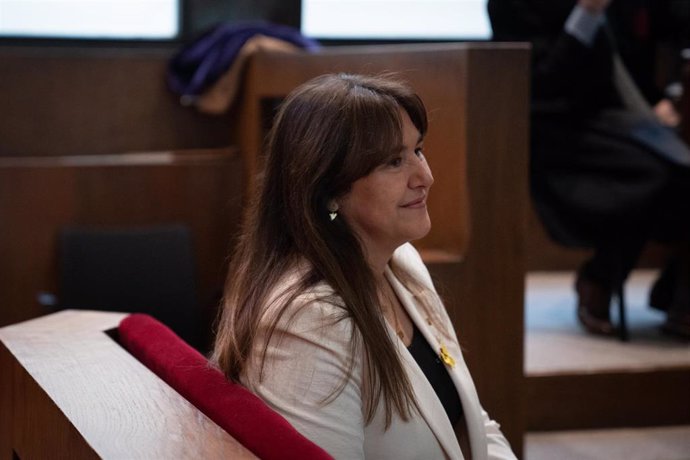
(421, 231)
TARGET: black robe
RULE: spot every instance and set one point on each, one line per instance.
(593, 178)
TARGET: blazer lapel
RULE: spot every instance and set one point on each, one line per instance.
(472, 410)
(430, 406)
(459, 374)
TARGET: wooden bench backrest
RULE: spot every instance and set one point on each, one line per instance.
(39, 195)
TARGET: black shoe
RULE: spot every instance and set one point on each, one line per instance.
(677, 324)
(671, 293)
(661, 295)
(593, 305)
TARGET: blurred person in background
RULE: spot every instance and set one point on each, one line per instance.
(608, 171)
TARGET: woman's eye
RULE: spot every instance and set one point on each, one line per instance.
(395, 162)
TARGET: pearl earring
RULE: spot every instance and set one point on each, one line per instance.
(332, 210)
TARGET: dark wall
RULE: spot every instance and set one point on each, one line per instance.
(202, 14)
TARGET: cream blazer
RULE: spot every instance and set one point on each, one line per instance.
(308, 358)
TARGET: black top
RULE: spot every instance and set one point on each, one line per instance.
(435, 371)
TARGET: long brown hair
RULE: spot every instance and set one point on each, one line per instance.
(328, 133)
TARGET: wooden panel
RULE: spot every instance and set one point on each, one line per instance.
(6, 403)
(87, 101)
(488, 286)
(202, 189)
(650, 397)
(477, 97)
(28, 409)
(77, 394)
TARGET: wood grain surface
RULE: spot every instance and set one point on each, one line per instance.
(75, 393)
(201, 189)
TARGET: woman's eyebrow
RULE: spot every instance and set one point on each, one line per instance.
(402, 146)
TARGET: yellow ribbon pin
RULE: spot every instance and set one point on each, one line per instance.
(446, 357)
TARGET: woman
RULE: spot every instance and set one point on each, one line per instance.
(329, 313)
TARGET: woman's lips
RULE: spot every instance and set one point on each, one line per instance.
(416, 203)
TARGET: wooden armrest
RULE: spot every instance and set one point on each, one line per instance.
(70, 391)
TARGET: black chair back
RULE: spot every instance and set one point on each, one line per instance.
(146, 270)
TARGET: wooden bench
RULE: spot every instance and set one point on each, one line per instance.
(201, 189)
(69, 391)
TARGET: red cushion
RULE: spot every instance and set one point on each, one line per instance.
(234, 408)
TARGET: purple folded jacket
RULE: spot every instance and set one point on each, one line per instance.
(201, 63)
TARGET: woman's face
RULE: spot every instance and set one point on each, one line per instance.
(387, 208)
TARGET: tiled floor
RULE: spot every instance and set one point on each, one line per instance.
(555, 342)
(668, 443)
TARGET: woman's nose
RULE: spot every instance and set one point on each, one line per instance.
(421, 175)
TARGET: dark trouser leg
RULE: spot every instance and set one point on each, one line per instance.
(611, 264)
(602, 276)
(672, 293)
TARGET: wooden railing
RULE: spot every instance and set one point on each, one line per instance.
(69, 391)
